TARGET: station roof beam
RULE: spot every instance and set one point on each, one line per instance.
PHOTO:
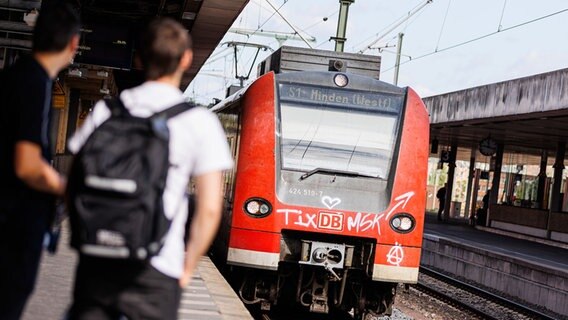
(526, 115)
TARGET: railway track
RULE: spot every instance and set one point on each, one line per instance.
(286, 315)
(478, 302)
(469, 299)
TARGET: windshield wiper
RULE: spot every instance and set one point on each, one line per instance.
(336, 172)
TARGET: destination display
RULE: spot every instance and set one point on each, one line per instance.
(341, 97)
(109, 45)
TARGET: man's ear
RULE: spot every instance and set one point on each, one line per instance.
(186, 60)
(74, 43)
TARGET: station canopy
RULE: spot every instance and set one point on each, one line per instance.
(111, 27)
(527, 115)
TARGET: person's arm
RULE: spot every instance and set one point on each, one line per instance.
(206, 221)
(30, 137)
(34, 171)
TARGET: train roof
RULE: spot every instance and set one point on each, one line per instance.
(230, 100)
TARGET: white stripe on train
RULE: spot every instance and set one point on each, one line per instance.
(269, 261)
(254, 259)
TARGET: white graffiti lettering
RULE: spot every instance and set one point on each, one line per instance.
(299, 218)
(402, 201)
(360, 222)
(364, 222)
(395, 255)
(330, 202)
(310, 221)
(287, 213)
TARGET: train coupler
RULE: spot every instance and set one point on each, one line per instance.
(319, 306)
(315, 294)
(265, 306)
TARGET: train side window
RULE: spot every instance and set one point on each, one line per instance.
(232, 126)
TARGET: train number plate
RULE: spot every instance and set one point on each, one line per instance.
(331, 221)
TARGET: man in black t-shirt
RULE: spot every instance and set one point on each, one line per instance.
(29, 183)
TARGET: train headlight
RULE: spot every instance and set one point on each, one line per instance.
(264, 208)
(402, 223)
(253, 207)
(257, 207)
(340, 80)
(406, 223)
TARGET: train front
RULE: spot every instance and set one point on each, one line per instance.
(330, 192)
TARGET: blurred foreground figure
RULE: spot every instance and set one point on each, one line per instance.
(111, 189)
(29, 184)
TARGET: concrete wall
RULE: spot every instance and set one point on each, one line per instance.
(531, 222)
(532, 283)
(513, 227)
(534, 218)
(559, 222)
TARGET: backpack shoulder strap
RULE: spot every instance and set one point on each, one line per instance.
(116, 107)
(174, 111)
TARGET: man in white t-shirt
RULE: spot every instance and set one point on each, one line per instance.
(106, 289)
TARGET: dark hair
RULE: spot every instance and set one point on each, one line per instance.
(161, 47)
(55, 26)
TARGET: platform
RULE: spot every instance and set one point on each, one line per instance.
(531, 272)
(208, 296)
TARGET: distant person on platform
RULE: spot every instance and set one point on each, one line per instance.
(441, 195)
(105, 289)
(30, 185)
(486, 199)
(482, 213)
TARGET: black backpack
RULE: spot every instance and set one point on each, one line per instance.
(116, 185)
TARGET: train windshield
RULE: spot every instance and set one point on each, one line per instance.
(338, 130)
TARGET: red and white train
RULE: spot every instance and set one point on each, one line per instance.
(325, 207)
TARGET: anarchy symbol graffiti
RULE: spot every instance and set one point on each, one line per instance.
(395, 255)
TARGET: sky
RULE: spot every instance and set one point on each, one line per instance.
(428, 64)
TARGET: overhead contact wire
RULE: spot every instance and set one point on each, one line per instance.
(481, 37)
(443, 25)
(502, 14)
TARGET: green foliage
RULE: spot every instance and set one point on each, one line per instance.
(441, 175)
